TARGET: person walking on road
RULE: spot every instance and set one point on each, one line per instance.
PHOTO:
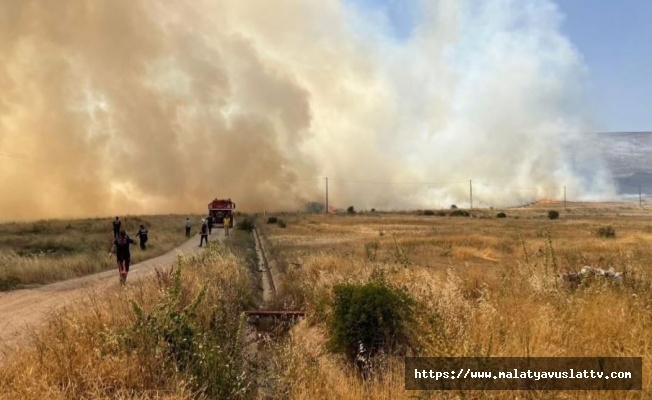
(204, 233)
(188, 225)
(227, 224)
(142, 237)
(116, 227)
(121, 249)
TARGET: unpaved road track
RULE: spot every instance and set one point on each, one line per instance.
(22, 311)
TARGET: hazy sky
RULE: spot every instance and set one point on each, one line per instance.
(614, 37)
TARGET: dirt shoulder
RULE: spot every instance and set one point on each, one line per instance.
(23, 311)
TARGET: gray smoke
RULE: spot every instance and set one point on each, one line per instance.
(134, 106)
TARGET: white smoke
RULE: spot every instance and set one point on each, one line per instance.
(492, 92)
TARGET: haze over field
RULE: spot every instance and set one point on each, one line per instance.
(153, 107)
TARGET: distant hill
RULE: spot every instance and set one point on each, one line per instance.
(629, 156)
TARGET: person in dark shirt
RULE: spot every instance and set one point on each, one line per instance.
(121, 249)
(188, 224)
(210, 224)
(116, 227)
(142, 237)
(204, 233)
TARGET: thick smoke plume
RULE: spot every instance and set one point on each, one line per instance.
(134, 106)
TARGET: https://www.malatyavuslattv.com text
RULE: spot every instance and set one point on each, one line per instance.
(516, 374)
(523, 373)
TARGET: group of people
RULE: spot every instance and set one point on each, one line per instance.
(141, 235)
(122, 241)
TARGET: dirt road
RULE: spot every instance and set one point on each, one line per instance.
(21, 311)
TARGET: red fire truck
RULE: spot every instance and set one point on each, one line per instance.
(220, 208)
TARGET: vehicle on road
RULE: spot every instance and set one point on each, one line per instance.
(218, 209)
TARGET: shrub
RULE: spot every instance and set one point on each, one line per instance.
(281, 223)
(350, 210)
(553, 214)
(9, 283)
(315, 207)
(373, 210)
(246, 224)
(370, 319)
(606, 232)
(272, 220)
(204, 345)
(428, 212)
(453, 207)
(441, 214)
(459, 213)
(501, 215)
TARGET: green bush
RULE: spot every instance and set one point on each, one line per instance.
(281, 223)
(176, 336)
(459, 213)
(501, 215)
(370, 319)
(350, 210)
(606, 232)
(246, 224)
(8, 283)
(553, 214)
(272, 220)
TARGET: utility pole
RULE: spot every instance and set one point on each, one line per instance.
(564, 196)
(471, 193)
(326, 195)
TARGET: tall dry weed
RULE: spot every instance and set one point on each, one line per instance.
(177, 336)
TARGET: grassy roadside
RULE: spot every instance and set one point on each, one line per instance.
(42, 252)
(178, 336)
(243, 246)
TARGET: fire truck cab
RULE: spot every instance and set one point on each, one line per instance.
(220, 208)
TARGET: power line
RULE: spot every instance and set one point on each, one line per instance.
(398, 183)
(13, 155)
(516, 187)
(281, 180)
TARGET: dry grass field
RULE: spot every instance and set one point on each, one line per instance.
(483, 286)
(175, 337)
(41, 252)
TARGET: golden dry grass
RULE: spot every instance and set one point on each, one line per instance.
(41, 252)
(101, 348)
(485, 287)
